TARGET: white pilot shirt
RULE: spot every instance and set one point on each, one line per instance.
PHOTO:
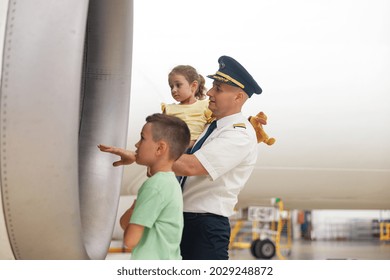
(229, 155)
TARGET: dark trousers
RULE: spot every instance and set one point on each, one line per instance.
(205, 237)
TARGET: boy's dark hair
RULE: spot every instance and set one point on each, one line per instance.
(172, 130)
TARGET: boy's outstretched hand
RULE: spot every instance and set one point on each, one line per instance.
(127, 157)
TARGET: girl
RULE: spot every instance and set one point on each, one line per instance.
(188, 89)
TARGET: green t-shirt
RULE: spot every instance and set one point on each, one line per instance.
(159, 208)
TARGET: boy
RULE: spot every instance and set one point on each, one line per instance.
(153, 224)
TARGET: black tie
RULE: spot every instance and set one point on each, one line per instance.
(199, 144)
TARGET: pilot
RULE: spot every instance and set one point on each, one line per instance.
(218, 166)
(219, 169)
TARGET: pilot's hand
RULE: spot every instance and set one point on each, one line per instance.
(127, 157)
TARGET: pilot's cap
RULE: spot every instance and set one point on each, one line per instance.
(233, 73)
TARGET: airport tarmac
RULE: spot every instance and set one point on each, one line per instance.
(314, 250)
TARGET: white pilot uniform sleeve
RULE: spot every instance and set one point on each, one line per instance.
(225, 152)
